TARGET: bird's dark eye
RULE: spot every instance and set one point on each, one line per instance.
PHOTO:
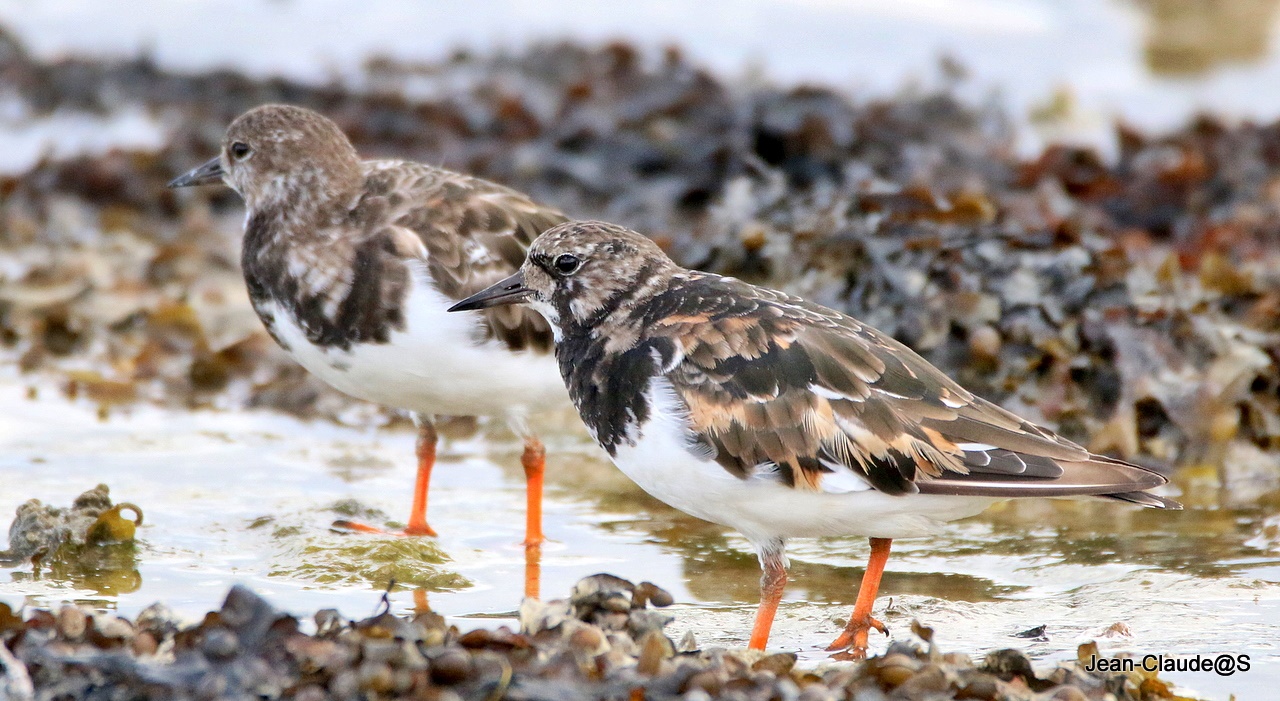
(240, 150)
(567, 264)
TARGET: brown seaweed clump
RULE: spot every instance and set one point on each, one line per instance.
(89, 544)
(41, 532)
(603, 642)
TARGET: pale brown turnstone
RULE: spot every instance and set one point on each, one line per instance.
(351, 265)
(779, 417)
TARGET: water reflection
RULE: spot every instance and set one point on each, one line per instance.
(107, 570)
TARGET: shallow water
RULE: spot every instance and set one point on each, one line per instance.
(248, 497)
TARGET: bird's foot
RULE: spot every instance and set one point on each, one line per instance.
(852, 642)
(413, 529)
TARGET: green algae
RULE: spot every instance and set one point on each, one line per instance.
(373, 560)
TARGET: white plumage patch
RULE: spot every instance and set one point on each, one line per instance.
(842, 480)
(548, 312)
(975, 447)
(433, 366)
(765, 510)
(830, 394)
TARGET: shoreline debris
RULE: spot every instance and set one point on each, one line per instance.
(603, 642)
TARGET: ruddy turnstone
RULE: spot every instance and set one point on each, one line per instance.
(779, 417)
(351, 265)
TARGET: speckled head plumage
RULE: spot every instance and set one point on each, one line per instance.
(579, 273)
(280, 153)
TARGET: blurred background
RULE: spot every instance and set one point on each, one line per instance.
(1073, 208)
(1152, 62)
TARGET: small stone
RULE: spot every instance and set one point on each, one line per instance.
(450, 667)
(1008, 664)
(895, 668)
(158, 619)
(381, 650)
(1069, 693)
(779, 664)
(329, 622)
(612, 620)
(111, 631)
(589, 640)
(929, 682)
(242, 606)
(894, 675)
(375, 676)
(402, 680)
(900, 660)
(1119, 629)
(688, 643)
(220, 645)
(439, 694)
(958, 660)
(1086, 653)
(211, 686)
(641, 622)
(310, 692)
(707, 681)
(983, 687)
(344, 685)
(601, 592)
(648, 592)
(72, 622)
(654, 648)
(922, 631)
(145, 643)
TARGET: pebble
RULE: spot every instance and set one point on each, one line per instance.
(389, 656)
(72, 622)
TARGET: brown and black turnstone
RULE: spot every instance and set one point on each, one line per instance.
(352, 263)
(781, 418)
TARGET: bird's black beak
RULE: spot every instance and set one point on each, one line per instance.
(508, 291)
(207, 174)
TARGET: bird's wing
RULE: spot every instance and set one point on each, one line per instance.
(782, 388)
(475, 233)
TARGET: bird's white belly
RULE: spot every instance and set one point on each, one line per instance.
(764, 510)
(433, 365)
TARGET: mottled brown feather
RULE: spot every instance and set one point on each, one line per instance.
(475, 233)
(773, 379)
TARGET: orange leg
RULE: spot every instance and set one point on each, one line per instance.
(426, 450)
(772, 582)
(426, 460)
(852, 642)
(534, 461)
(420, 603)
(532, 571)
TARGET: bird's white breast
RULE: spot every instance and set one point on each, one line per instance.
(762, 509)
(435, 365)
